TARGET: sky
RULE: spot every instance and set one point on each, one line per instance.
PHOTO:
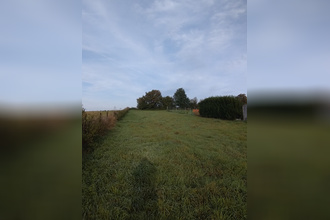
(132, 47)
(288, 46)
(106, 54)
(40, 53)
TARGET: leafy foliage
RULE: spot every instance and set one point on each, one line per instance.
(168, 102)
(96, 125)
(194, 103)
(151, 100)
(180, 98)
(120, 114)
(225, 107)
(242, 98)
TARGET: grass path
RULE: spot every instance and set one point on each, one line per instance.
(164, 165)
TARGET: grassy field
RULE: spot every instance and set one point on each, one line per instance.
(164, 165)
(40, 168)
(288, 168)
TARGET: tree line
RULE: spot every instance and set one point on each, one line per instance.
(154, 100)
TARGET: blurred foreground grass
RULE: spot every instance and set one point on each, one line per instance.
(40, 166)
(289, 170)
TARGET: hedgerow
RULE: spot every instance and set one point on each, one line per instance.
(222, 107)
(120, 114)
(96, 125)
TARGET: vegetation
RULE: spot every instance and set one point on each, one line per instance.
(160, 165)
(242, 98)
(120, 114)
(168, 102)
(193, 103)
(224, 107)
(288, 157)
(181, 111)
(96, 124)
(40, 166)
(180, 98)
(151, 100)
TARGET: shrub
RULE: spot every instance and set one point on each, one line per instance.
(95, 126)
(120, 114)
(224, 107)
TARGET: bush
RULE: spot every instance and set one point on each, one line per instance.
(95, 126)
(224, 107)
(120, 114)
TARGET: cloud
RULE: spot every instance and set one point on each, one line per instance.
(133, 47)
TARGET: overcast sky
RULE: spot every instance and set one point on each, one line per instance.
(109, 53)
(40, 52)
(288, 45)
(132, 47)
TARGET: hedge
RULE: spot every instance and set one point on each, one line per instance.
(120, 114)
(96, 125)
(223, 107)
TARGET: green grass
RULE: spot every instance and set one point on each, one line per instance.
(182, 111)
(288, 168)
(162, 165)
(40, 170)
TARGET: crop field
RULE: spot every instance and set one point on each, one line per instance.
(163, 165)
(102, 113)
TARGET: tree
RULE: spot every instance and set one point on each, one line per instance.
(141, 103)
(198, 106)
(168, 102)
(242, 98)
(193, 103)
(151, 100)
(180, 98)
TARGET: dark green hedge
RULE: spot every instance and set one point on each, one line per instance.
(223, 107)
